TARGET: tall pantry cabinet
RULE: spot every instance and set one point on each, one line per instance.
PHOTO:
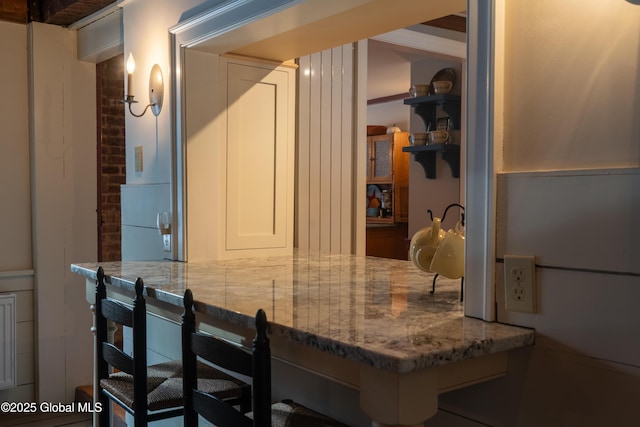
(240, 157)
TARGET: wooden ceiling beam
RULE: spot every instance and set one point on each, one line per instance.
(66, 12)
(449, 22)
(55, 12)
(14, 11)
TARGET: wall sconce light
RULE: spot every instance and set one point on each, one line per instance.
(156, 89)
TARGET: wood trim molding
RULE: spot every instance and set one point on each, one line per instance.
(417, 40)
(450, 22)
(389, 98)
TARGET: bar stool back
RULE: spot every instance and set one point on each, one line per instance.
(148, 393)
(255, 364)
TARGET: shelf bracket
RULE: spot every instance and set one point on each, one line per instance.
(426, 156)
(427, 160)
(453, 159)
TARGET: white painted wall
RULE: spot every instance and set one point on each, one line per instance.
(148, 40)
(62, 122)
(572, 102)
(16, 267)
(389, 113)
(569, 195)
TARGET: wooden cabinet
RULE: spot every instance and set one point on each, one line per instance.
(388, 169)
(388, 241)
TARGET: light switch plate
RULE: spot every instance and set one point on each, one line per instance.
(138, 158)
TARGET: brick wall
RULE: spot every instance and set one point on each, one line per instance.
(111, 155)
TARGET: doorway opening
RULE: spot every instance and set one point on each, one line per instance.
(392, 68)
(220, 31)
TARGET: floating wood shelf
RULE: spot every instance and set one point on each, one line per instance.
(426, 156)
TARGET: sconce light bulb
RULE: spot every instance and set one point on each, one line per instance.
(131, 64)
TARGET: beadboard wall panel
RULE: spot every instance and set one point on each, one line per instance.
(63, 193)
(325, 155)
(16, 274)
(14, 151)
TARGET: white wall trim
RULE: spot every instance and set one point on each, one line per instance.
(360, 134)
(575, 172)
(100, 14)
(102, 39)
(480, 195)
(16, 273)
(224, 17)
(417, 40)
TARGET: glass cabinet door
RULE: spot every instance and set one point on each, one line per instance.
(380, 155)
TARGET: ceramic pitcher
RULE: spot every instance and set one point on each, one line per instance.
(424, 244)
(448, 260)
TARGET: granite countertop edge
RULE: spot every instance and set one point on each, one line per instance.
(512, 337)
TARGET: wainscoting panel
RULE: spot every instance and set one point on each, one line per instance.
(8, 340)
(584, 219)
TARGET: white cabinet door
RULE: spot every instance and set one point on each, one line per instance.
(260, 156)
(240, 128)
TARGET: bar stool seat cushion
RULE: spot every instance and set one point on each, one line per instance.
(164, 385)
(291, 414)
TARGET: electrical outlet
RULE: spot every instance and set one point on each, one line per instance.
(166, 242)
(520, 283)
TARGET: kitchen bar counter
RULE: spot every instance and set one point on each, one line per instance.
(375, 314)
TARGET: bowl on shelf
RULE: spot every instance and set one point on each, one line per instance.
(419, 138)
(438, 136)
(442, 86)
(419, 90)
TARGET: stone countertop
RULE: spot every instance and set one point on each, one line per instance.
(375, 311)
